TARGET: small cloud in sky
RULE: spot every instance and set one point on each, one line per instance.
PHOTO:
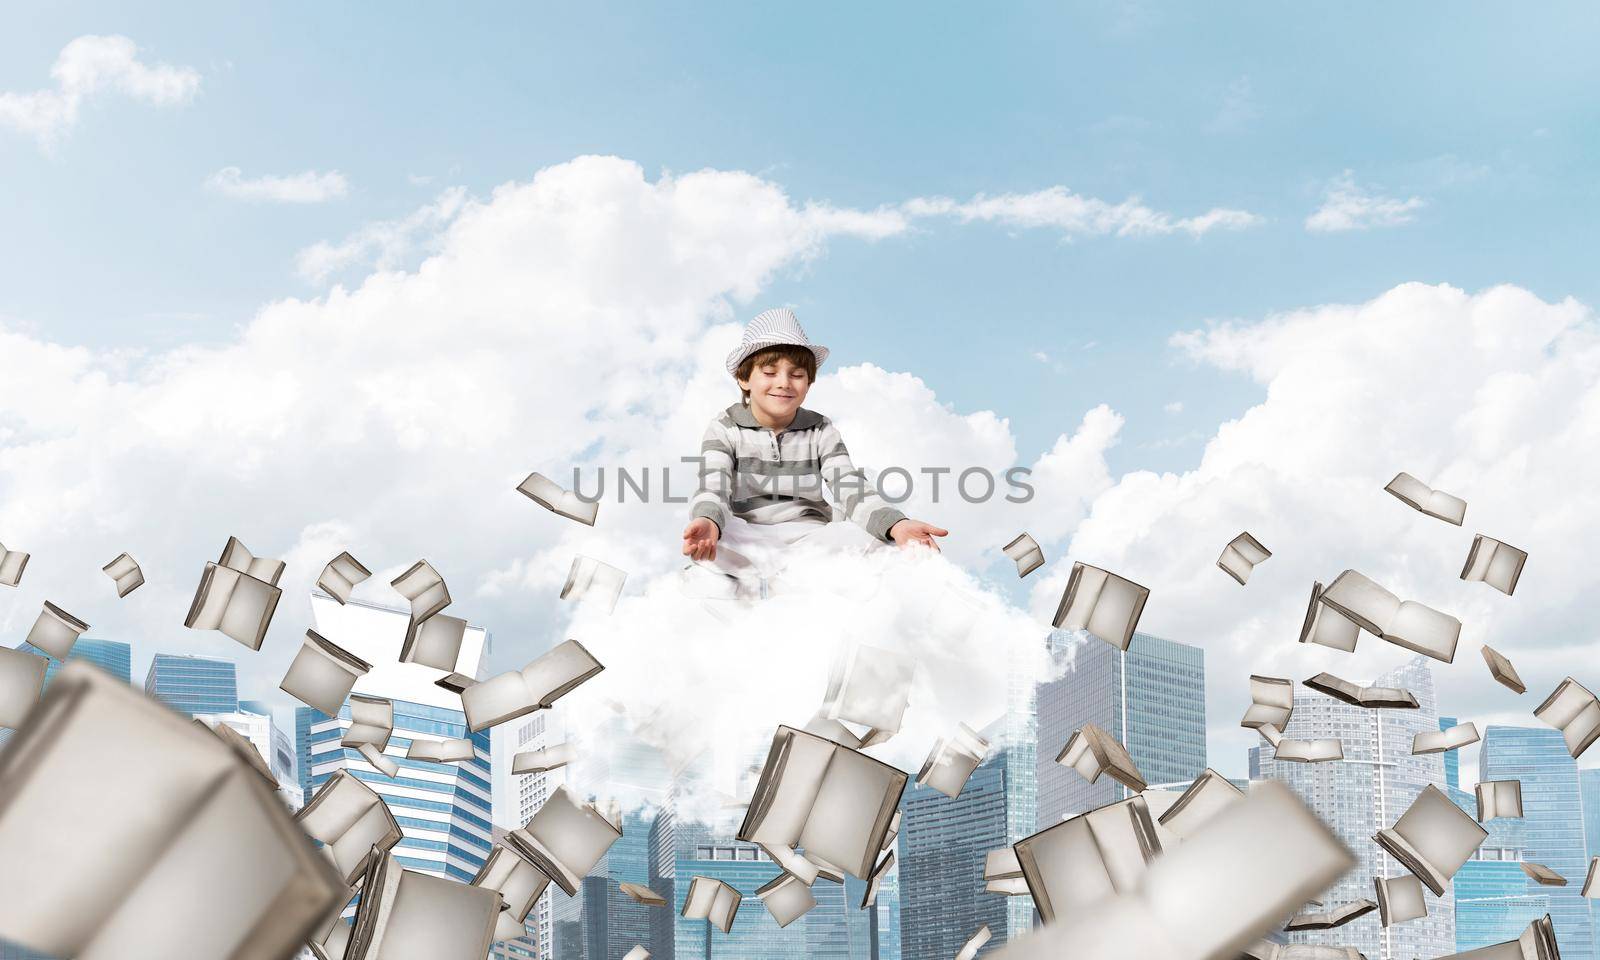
(419, 180)
(1077, 215)
(1041, 356)
(1175, 406)
(1348, 206)
(1238, 108)
(306, 187)
(87, 67)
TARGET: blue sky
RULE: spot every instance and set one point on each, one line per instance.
(1483, 112)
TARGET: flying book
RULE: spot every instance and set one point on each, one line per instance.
(1538, 942)
(1328, 919)
(140, 879)
(869, 686)
(237, 595)
(1373, 698)
(406, 914)
(537, 686)
(340, 576)
(424, 588)
(456, 750)
(565, 839)
(1025, 551)
(350, 820)
(1091, 751)
(543, 761)
(56, 631)
(885, 864)
(713, 901)
(455, 682)
(1432, 839)
(1501, 669)
(1438, 741)
(594, 581)
(563, 503)
(125, 573)
(1327, 626)
(1409, 624)
(642, 894)
(1078, 861)
(374, 755)
(1271, 703)
(1104, 604)
(518, 882)
(1495, 563)
(1421, 497)
(1207, 796)
(371, 721)
(1241, 555)
(834, 802)
(792, 863)
(1002, 873)
(1498, 798)
(894, 831)
(21, 683)
(786, 898)
(12, 563)
(332, 941)
(1320, 750)
(974, 943)
(1399, 899)
(952, 761)
(1573, 710)
(322, 674)
(1267, 950)
(434, 642)
(1591, 881)
(1543, 875)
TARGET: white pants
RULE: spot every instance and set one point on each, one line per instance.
(756, 552)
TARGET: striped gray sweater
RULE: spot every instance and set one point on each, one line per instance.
(760, 476)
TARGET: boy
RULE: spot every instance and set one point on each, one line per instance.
(766, 459)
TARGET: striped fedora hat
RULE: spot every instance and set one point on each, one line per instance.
(770, 329)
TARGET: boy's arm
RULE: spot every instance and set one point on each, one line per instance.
(712, 500)
(850, 486)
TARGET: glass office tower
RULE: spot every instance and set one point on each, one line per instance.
(194, 685)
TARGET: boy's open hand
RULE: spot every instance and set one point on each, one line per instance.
(919, 531)
(700, 539)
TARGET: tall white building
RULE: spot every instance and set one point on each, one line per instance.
(273, 745)
(518, 798)
(1367, 791)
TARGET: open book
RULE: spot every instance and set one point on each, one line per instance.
(434, 642)
(237, 595)
(1326, 626)
(1495, 563)
(1025, 551)
(594, 581)
(1358, 696)
(456, 750)
(1328, 919)
(422, 585)
(406, 914)
(563, 503)
(536, 686)
(518, 882)
(371, 721)
(56, 631)
(1538, 942)
(1207, 796)
(565, 839)
(1501, 669)
(792, 863)
(1433, 838)
(834, 802)
(1435, 503)
(1104, 604)
(786, 898)
(1415, 626)
(1573, 710)
(455, 682)
(869, 686)
(125, 572)
(21, 682)
(1241, 555)
(1399, 899)
(952, 761)
(117, 879)
(1320, 750)
(340, 577)
(1271, 703)
(1093, 855)
(1438, 741)
(350, 820)
(323, 674)
(1002, 873)
(12, 563)
(712, 900)
(1091, 751)
(543, 761)
(642, 894)
(1498, 798)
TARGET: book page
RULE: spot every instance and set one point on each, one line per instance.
(851, 810)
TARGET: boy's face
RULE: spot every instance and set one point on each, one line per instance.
(777, 388)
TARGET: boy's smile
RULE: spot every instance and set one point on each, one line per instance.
(777, 389)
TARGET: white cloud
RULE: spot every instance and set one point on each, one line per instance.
(1505, 413)
(382, 244)
(1347, 206)
(307, 187)
(1076, 215)
(88, 66)
(1175, 406)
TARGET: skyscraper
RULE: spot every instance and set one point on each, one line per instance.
(1366, 791)
(1494, 902)
(754, 935)
(193, 685)
(1589, 786)
(1452, 758)
(1151, 698)
(1552, 813)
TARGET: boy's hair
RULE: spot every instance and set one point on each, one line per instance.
(799, 356)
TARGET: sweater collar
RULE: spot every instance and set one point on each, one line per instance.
(803, 419)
